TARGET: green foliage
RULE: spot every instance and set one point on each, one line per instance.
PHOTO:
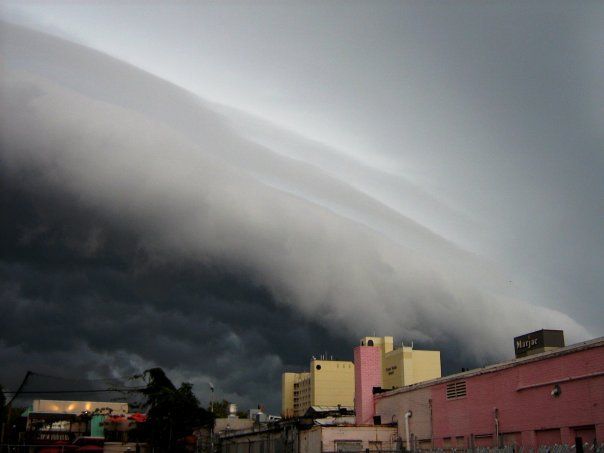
(173, 413)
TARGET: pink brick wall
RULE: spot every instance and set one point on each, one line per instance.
(367, 374)
(528, 414)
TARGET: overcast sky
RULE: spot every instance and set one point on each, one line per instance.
(224, 189)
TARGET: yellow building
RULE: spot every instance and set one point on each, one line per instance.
(327, 383)
(290, 392)
(404, 365)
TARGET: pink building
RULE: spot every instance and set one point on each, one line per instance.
(367, 375)
(545, 399)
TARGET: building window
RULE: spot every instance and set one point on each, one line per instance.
(370, 343)
(456, 390)
(318, 367)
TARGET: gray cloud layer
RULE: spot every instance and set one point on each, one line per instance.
(142, 213)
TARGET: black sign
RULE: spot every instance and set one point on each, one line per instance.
(538, 340)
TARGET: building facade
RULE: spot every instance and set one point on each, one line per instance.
(404, 365)
(347, 438)
(332, 382)
(368, 374)
(327, 383)
(379, 364)
(291, 400)
(552, 398)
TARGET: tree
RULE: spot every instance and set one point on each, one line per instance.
(173, 413)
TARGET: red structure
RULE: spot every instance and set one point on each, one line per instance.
(367, 375)
(551, 398)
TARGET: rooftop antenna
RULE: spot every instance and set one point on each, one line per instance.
(411, 344)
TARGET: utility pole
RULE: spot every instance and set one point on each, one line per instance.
(212, 412)
(211, 397)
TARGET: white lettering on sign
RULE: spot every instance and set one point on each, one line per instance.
(523, 344)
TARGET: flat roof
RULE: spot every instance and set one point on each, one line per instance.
(596, 342)
(331, 408)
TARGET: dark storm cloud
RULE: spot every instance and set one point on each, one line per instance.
(82, 298)
(145, 230)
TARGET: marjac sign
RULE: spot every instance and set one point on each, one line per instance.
(536, 340)
(528, 343)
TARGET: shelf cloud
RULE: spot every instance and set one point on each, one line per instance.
(144, 225)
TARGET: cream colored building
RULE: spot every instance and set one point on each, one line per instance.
(327, 383)
(290, 392)
(404, 365)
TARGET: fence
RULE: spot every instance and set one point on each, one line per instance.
(562, 448)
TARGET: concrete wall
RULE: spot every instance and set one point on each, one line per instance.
(326, 438)
(332, 383)
(394, 372)
(226, 424)
(522, 396)
(426, 366)
(519, 396)
(261, 442)
(406, 366)
(368, 374)
(310, 440)
(393, 409)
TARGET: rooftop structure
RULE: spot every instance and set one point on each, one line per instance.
(404, 365)
(538, 342)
